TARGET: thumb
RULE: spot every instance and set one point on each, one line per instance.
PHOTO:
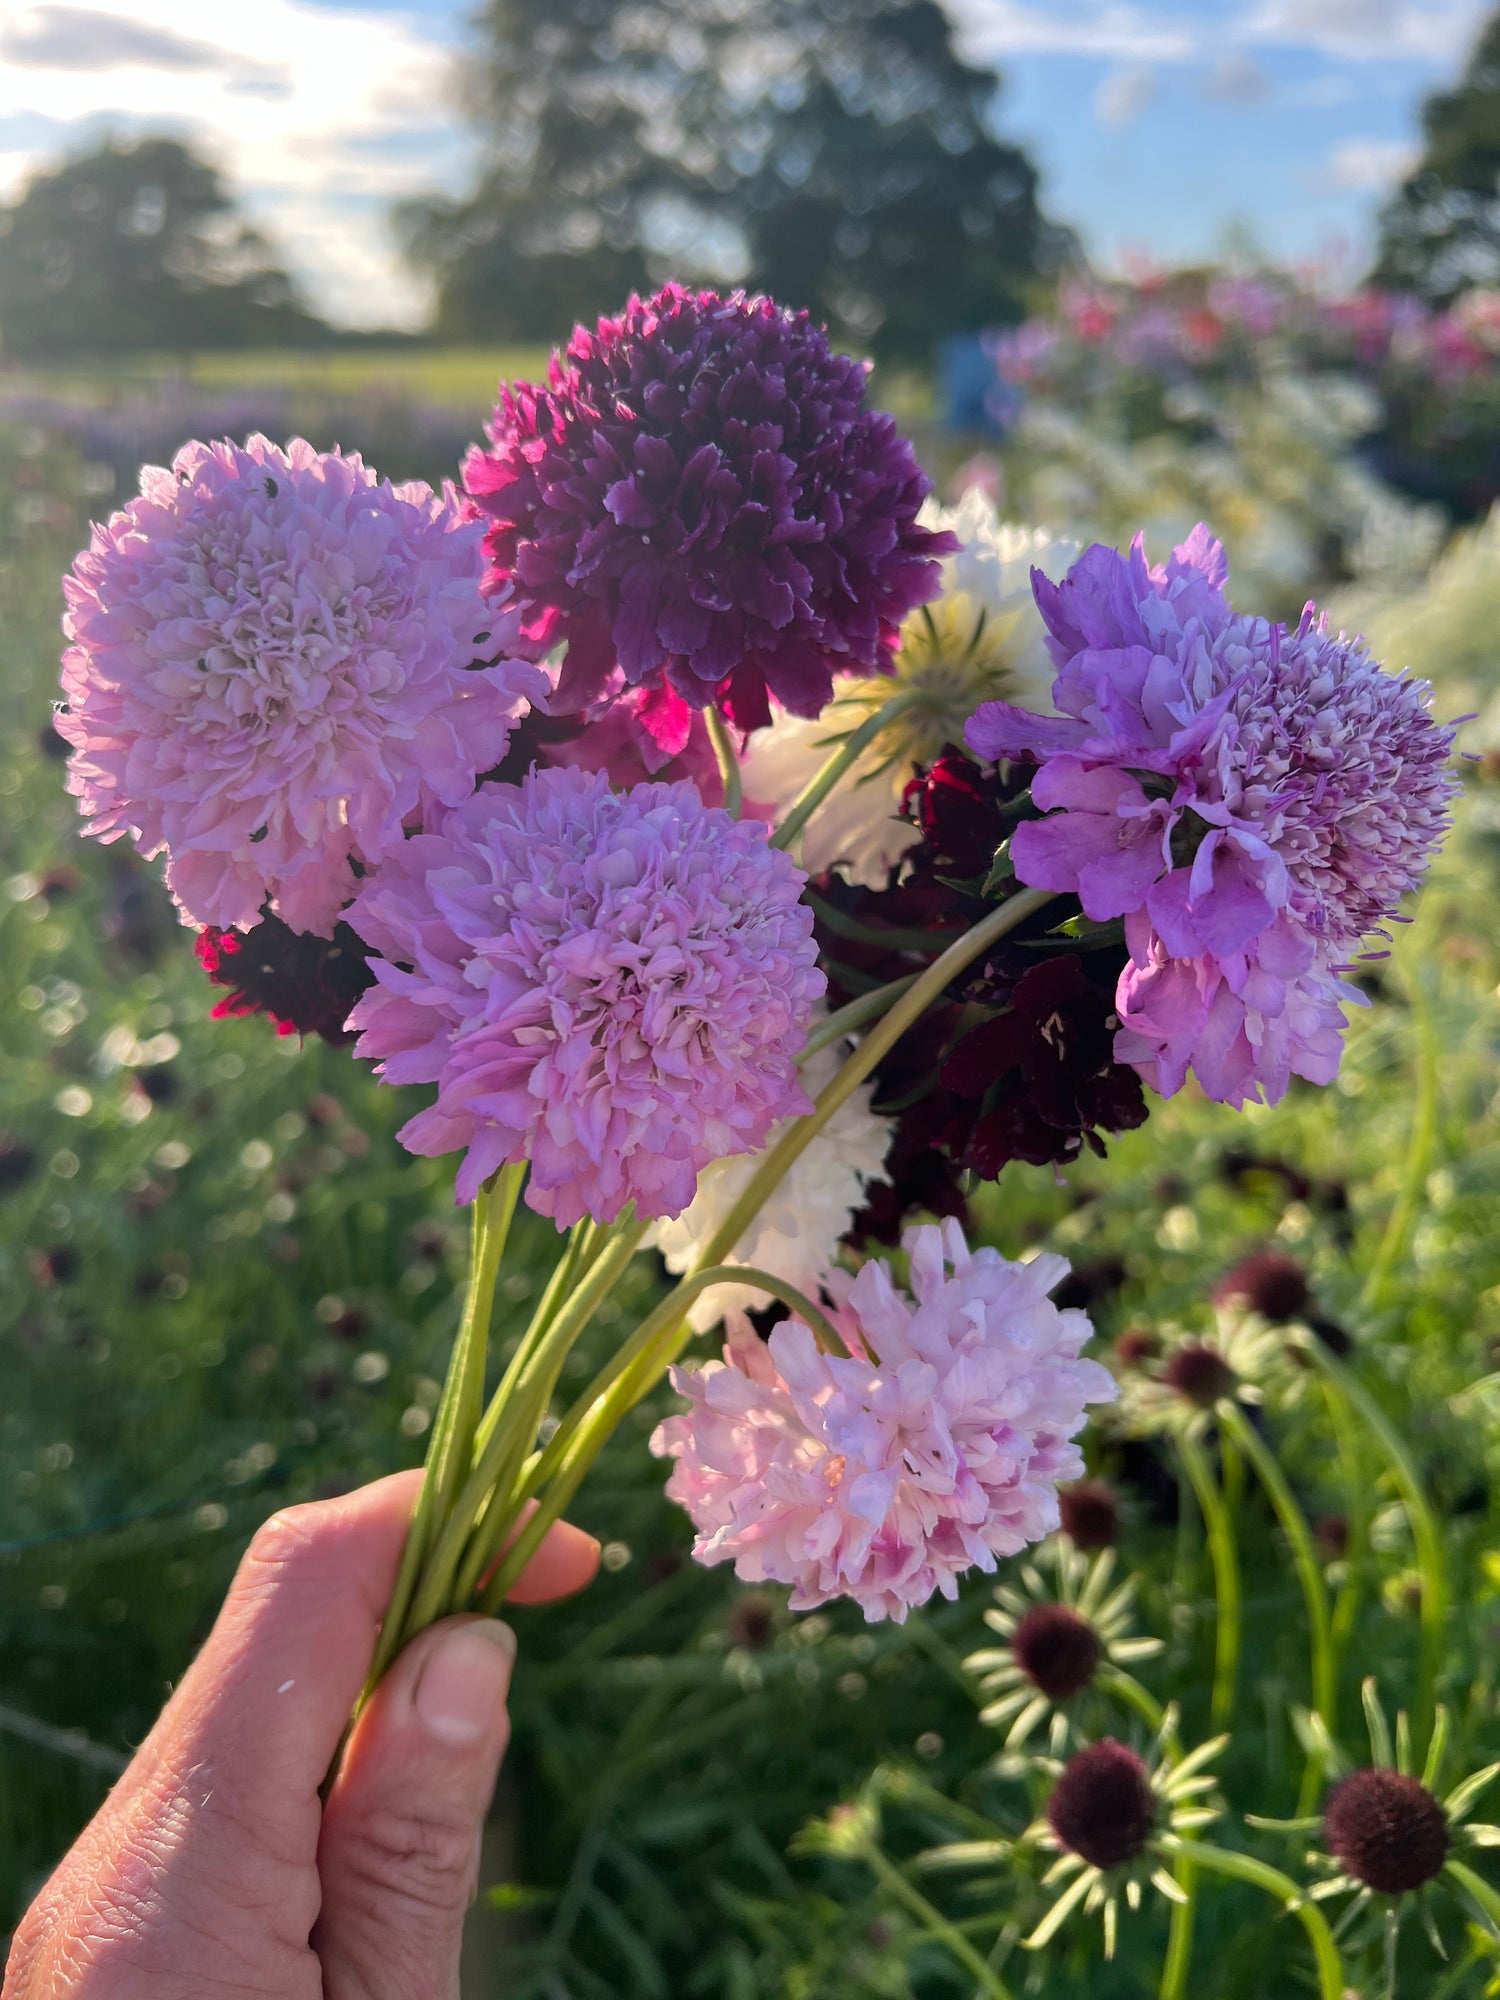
(399, 1851)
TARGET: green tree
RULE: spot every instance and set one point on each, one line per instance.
(138, 245)
(1440, 231)
(835, 152)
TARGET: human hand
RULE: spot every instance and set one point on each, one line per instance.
(215, 1872)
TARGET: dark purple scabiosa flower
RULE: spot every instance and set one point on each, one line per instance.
(1387, 1830)
(1199, 1374)
(306, 984)
(1090, 1514)
(1136, 1346)
(701, 506)
(1057, 1651)
(1102, 1808)
(1270, 1283)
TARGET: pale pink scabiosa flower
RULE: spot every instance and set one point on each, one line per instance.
(934, 1444)
(1253, 801)
(613, 986)
(276, 658)
(701, 506)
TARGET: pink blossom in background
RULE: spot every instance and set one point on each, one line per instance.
(275, 659)
(1253, 801)
(934, 1445)
(613, 986)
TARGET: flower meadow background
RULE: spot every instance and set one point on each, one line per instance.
(225, 1287)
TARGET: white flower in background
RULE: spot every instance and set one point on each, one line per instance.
(796, 1234)
(981, 640)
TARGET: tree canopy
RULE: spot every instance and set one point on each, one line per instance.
(837, 153)
(139, 245)
(1440, 232)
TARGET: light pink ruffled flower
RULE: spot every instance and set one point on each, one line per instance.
(614, 986)
(276, 658)
(934, 1445)
(1252, 800)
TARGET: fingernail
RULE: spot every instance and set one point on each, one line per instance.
(463, 1685)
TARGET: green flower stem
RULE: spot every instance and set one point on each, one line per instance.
(563, 1461)
(848, 754)
(1245, 1868)
(439, 1571)
(932, 1920)
(847, 1019)
(1431, 1561)
(912, 1004)
(1126, 1688)
(1421, 1146)
(1309, 1575)
(1224, 1556)
(729, 763)
(1175, 1965)
(1356, 1513)
(459, 1406)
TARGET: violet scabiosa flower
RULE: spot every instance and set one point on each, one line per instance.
(613, 986)
(275, 659)
(1252, 801)
(933, 1445)
(700, 504)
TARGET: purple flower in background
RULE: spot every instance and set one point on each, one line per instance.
(702, 507)
(934, 1444)
(1253, 801)
(276, 659)
(613, 986)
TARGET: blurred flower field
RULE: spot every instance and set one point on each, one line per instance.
(227, 1288)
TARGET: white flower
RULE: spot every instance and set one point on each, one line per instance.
(981, 640)
(796, 1234)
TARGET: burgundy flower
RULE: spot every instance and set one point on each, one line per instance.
(700, 500)
(306, 984)
(1268, 1282)
(1017, 1061)
(1102, 1808)
(1388, 1830)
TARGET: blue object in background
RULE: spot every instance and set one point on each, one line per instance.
(972, 398)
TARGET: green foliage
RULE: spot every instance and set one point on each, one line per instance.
(137, 245)
(1440, 231)
(839, 155)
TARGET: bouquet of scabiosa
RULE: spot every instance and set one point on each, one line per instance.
(747, 857)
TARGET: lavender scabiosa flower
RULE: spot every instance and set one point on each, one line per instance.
(613, 986)
(701, 506)
(934, 1444)
(276, 658)
(1253, 801)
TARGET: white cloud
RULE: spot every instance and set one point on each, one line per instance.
(1440, 31)
(319, 118)
(1118, 31)
(1123, 95)
(1369, 165)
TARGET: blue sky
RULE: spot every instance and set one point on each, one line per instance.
(1160, 125)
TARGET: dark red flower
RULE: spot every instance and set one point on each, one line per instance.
(1199, 1374)
(701, 500)
(1389, 1832)
(1090, 1514)
(307, 985)
(1268, 1282)
(1102, 1807)
(1057, 1651)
